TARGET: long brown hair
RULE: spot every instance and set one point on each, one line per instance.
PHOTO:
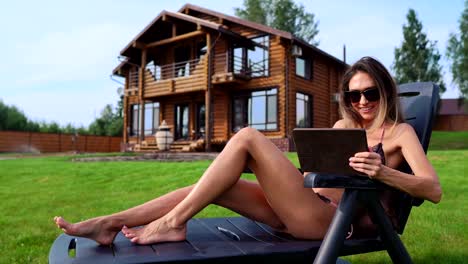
(389, 105)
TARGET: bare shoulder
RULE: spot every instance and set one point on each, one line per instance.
(340, 124)
(404, 133)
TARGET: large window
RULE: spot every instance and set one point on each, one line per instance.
(254, 63)
(303, 110)
(257, 109)
(135, 120)
(304, 67)
(151, 119)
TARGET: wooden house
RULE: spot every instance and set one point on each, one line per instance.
(208, 74)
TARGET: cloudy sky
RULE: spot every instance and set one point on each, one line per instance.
(58, 55)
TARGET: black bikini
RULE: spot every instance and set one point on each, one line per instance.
(362, 221)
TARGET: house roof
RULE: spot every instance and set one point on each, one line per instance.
(191, 19)
(131, 51)
(453, 107)
(260, 27)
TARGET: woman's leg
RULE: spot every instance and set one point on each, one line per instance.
(299, 209)
(245, 198)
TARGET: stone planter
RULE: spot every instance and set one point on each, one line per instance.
(164, 137)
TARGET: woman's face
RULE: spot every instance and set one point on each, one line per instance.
(366, 107)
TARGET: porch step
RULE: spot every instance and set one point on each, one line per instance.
(176, 146)
(188, 146)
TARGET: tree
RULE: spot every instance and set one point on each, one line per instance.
(457, 53)
(11, 118)
(108, 124)
(283, 15)
(418, 58)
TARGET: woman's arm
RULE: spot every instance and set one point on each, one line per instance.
(423, 184)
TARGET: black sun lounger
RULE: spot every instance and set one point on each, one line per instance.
(237, 239)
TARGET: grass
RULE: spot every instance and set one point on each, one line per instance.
(445, 140)
(34, 189)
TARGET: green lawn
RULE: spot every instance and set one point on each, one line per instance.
(33, 190)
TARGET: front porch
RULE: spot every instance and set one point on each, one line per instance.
(150, 146)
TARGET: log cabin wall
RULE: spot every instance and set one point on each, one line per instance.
(322, 85)
(170, 90)
(275, 79)
(221, 115)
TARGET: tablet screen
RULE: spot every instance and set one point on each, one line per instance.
(327, 150)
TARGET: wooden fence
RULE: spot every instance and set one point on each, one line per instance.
(451, 123)
(15, 141)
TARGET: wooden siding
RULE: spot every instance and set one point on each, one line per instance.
(221, 114)
(275, 79)
(322, 86)
(15, 141)
(220, 57)
(196, 81)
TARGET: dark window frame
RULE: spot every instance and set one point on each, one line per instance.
(179, 118)
(308, 67)
(134, 114)
(200, 121)
(153, 107)
(309, 108)
(244, 99)
(245, 57)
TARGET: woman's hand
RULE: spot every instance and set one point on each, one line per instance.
(369, 163)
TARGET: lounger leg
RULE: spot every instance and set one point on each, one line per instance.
(390, 238)
(336, 234)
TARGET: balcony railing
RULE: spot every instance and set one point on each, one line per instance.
(176, 70)
(229, 68)
(243, 68)
(185, 76)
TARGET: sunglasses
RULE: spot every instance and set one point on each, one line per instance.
(371, 94)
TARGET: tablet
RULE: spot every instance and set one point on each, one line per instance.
(327, 150)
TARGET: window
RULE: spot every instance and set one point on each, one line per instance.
(181, 116)
(303, 110)
(200, 125)
(256, 109)
(135, 128)
(254, 63)
(304, 67)
(151, 119)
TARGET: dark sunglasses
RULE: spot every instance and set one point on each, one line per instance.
(371, 94)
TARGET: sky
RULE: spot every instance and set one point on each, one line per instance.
(58, 55)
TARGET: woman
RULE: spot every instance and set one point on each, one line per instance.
(278, 198)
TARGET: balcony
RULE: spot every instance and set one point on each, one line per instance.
(191, 75)
(185, 76)
(229, 68)
(171, 78)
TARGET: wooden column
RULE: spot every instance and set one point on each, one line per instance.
(141, 86)
(208, 97)
(126, 116)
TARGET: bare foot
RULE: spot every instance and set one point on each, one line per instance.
(97, 229)
(156, 231)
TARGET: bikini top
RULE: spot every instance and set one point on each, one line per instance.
(379, 148)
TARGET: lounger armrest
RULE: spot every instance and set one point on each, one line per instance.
(325, 180)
